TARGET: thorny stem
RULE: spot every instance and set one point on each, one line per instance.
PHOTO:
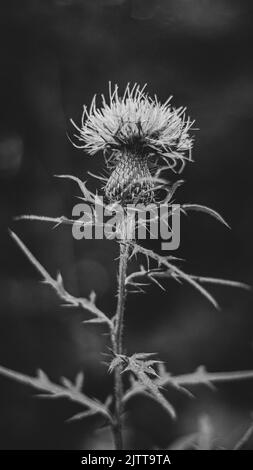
(118, 345)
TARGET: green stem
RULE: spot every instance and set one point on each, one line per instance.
(118, 345)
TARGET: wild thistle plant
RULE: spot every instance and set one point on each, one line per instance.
(140, 139)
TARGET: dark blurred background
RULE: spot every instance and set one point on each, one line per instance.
(55, 54)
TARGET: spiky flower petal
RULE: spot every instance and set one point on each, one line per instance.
(132, 130)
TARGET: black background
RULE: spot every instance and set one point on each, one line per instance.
(55, 54)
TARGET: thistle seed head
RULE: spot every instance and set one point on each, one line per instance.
(135, 133)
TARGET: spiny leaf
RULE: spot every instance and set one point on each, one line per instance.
(115, 363)
(44, 384)
(222, 282)
(180, 382)
(177, 272)
(87, 194)
(171, 190)
(57, 285)
(207, 210)
(41, 218)
(142, 370)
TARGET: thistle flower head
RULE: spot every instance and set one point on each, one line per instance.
(134, 132)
